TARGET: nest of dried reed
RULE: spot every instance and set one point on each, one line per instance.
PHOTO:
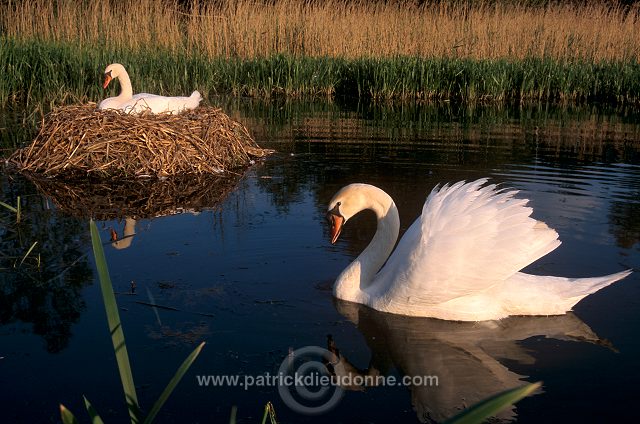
(82, 140)
(139, 198)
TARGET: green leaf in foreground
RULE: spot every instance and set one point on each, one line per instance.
(95, 418)
(270, 412)
(491, 406)
(28, 252)
(8, 206)
(234, 413)
(115, 327)
(173, 383)
(66, 416)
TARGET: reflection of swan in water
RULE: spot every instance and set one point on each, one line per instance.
(463, 355)
(127, 237)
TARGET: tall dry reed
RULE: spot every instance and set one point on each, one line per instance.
(598, 31)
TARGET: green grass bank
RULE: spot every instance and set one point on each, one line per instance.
(43, 73)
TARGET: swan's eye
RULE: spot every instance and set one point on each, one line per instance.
(335, 210)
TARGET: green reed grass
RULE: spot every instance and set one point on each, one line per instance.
(53, 51)
(120, 350)
(36, 72)
(115, 326)
(15, 209)
(492, 405)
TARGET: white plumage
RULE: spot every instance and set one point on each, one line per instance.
(130, 103)
(460, 260)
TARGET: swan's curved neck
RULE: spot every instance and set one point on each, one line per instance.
(359, 275)
(126, 91)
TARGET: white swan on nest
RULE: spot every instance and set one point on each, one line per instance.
(460, 260)
(130, 103)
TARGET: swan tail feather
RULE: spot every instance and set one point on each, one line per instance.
(560, 294)
(583, 287)
(196, 96)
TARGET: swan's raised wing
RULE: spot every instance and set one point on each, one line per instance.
(468, 239)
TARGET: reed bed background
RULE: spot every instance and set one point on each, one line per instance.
(471, 50)
(594, 31)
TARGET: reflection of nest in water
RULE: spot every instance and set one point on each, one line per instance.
(81, 140)
(138, 198)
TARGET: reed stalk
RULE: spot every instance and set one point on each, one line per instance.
(592, 30)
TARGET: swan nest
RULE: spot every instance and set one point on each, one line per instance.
(82, 140)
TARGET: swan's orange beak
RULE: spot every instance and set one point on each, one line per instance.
(336, 226)
(107, 80)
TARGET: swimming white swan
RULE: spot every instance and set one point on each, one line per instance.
(138, 103)
(459, 261)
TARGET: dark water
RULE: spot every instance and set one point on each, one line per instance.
(246, 266)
